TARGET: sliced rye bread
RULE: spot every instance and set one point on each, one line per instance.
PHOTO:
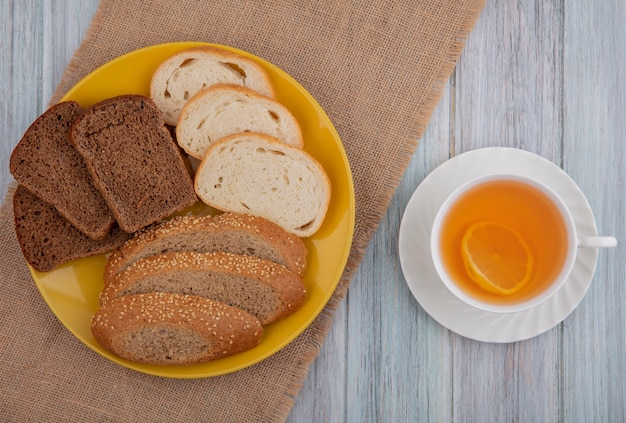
(170, 329)
(133, 160)
(228, 232)
(47, 239)
(184, 74)
(45, 162)
(256, 174)
(225, 109)
(260, 287)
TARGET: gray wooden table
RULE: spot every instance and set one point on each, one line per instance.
(545, 76)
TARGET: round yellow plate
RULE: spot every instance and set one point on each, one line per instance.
(72, 289)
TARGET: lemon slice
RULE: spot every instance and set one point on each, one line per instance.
(496, 257)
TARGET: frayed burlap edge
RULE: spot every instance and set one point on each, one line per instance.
(73, 72)
(424, 113)
(321, 326)
(310, 341)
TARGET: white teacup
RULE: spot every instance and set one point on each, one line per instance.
(540, 288)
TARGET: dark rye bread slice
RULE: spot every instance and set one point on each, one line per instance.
(45, 162)
(262, 288)
(47, 239)
(228, 232)
(133, 160)
(170, 329)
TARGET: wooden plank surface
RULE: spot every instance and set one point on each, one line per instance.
(594, 128)
(545, 76)
(508, 94)
(519, 84)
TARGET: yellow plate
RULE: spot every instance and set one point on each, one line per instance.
(72, 289)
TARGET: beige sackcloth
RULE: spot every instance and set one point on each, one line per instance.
(377, 68)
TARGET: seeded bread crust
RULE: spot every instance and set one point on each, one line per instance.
(133, 160)
(47, 239)
(171, 329)
(45, 162)
(228, 232)
(184, 74)
(262, 288)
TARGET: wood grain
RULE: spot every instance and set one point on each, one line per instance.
(594, 128)
(545, 76)
(38, 39)
(508, 94)
(522, 81)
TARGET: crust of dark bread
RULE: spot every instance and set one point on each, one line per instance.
(45, 162)
(133, 160)
(47, 239)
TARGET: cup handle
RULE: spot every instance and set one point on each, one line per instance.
(597, 241)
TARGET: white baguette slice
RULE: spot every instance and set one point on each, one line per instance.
(264, 289)
(182, 75)
(235, 233)
(256, 174)
(171, 329)
(224, 109)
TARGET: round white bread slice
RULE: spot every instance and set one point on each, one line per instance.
(235, 233)
(256, 174)
(225, 109)
(260, 287)
(170, 329)
(182, 75)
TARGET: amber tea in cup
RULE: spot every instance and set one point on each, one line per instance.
(527, 219)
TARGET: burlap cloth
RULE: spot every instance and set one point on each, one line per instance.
(378, 69)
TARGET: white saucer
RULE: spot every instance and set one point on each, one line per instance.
(431, 293)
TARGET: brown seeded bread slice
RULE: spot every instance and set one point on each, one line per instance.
(171, 329)
(47, 239)
(47, 164)
(133, 160)
(262, 288)
(228, 232)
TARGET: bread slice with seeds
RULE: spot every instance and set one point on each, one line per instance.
(224, 109)
(133, 160)
(260, 287)
(171, 329)
(228, 232)
(256, 174)
(48, 240)
(45, 162)
(184, 74)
